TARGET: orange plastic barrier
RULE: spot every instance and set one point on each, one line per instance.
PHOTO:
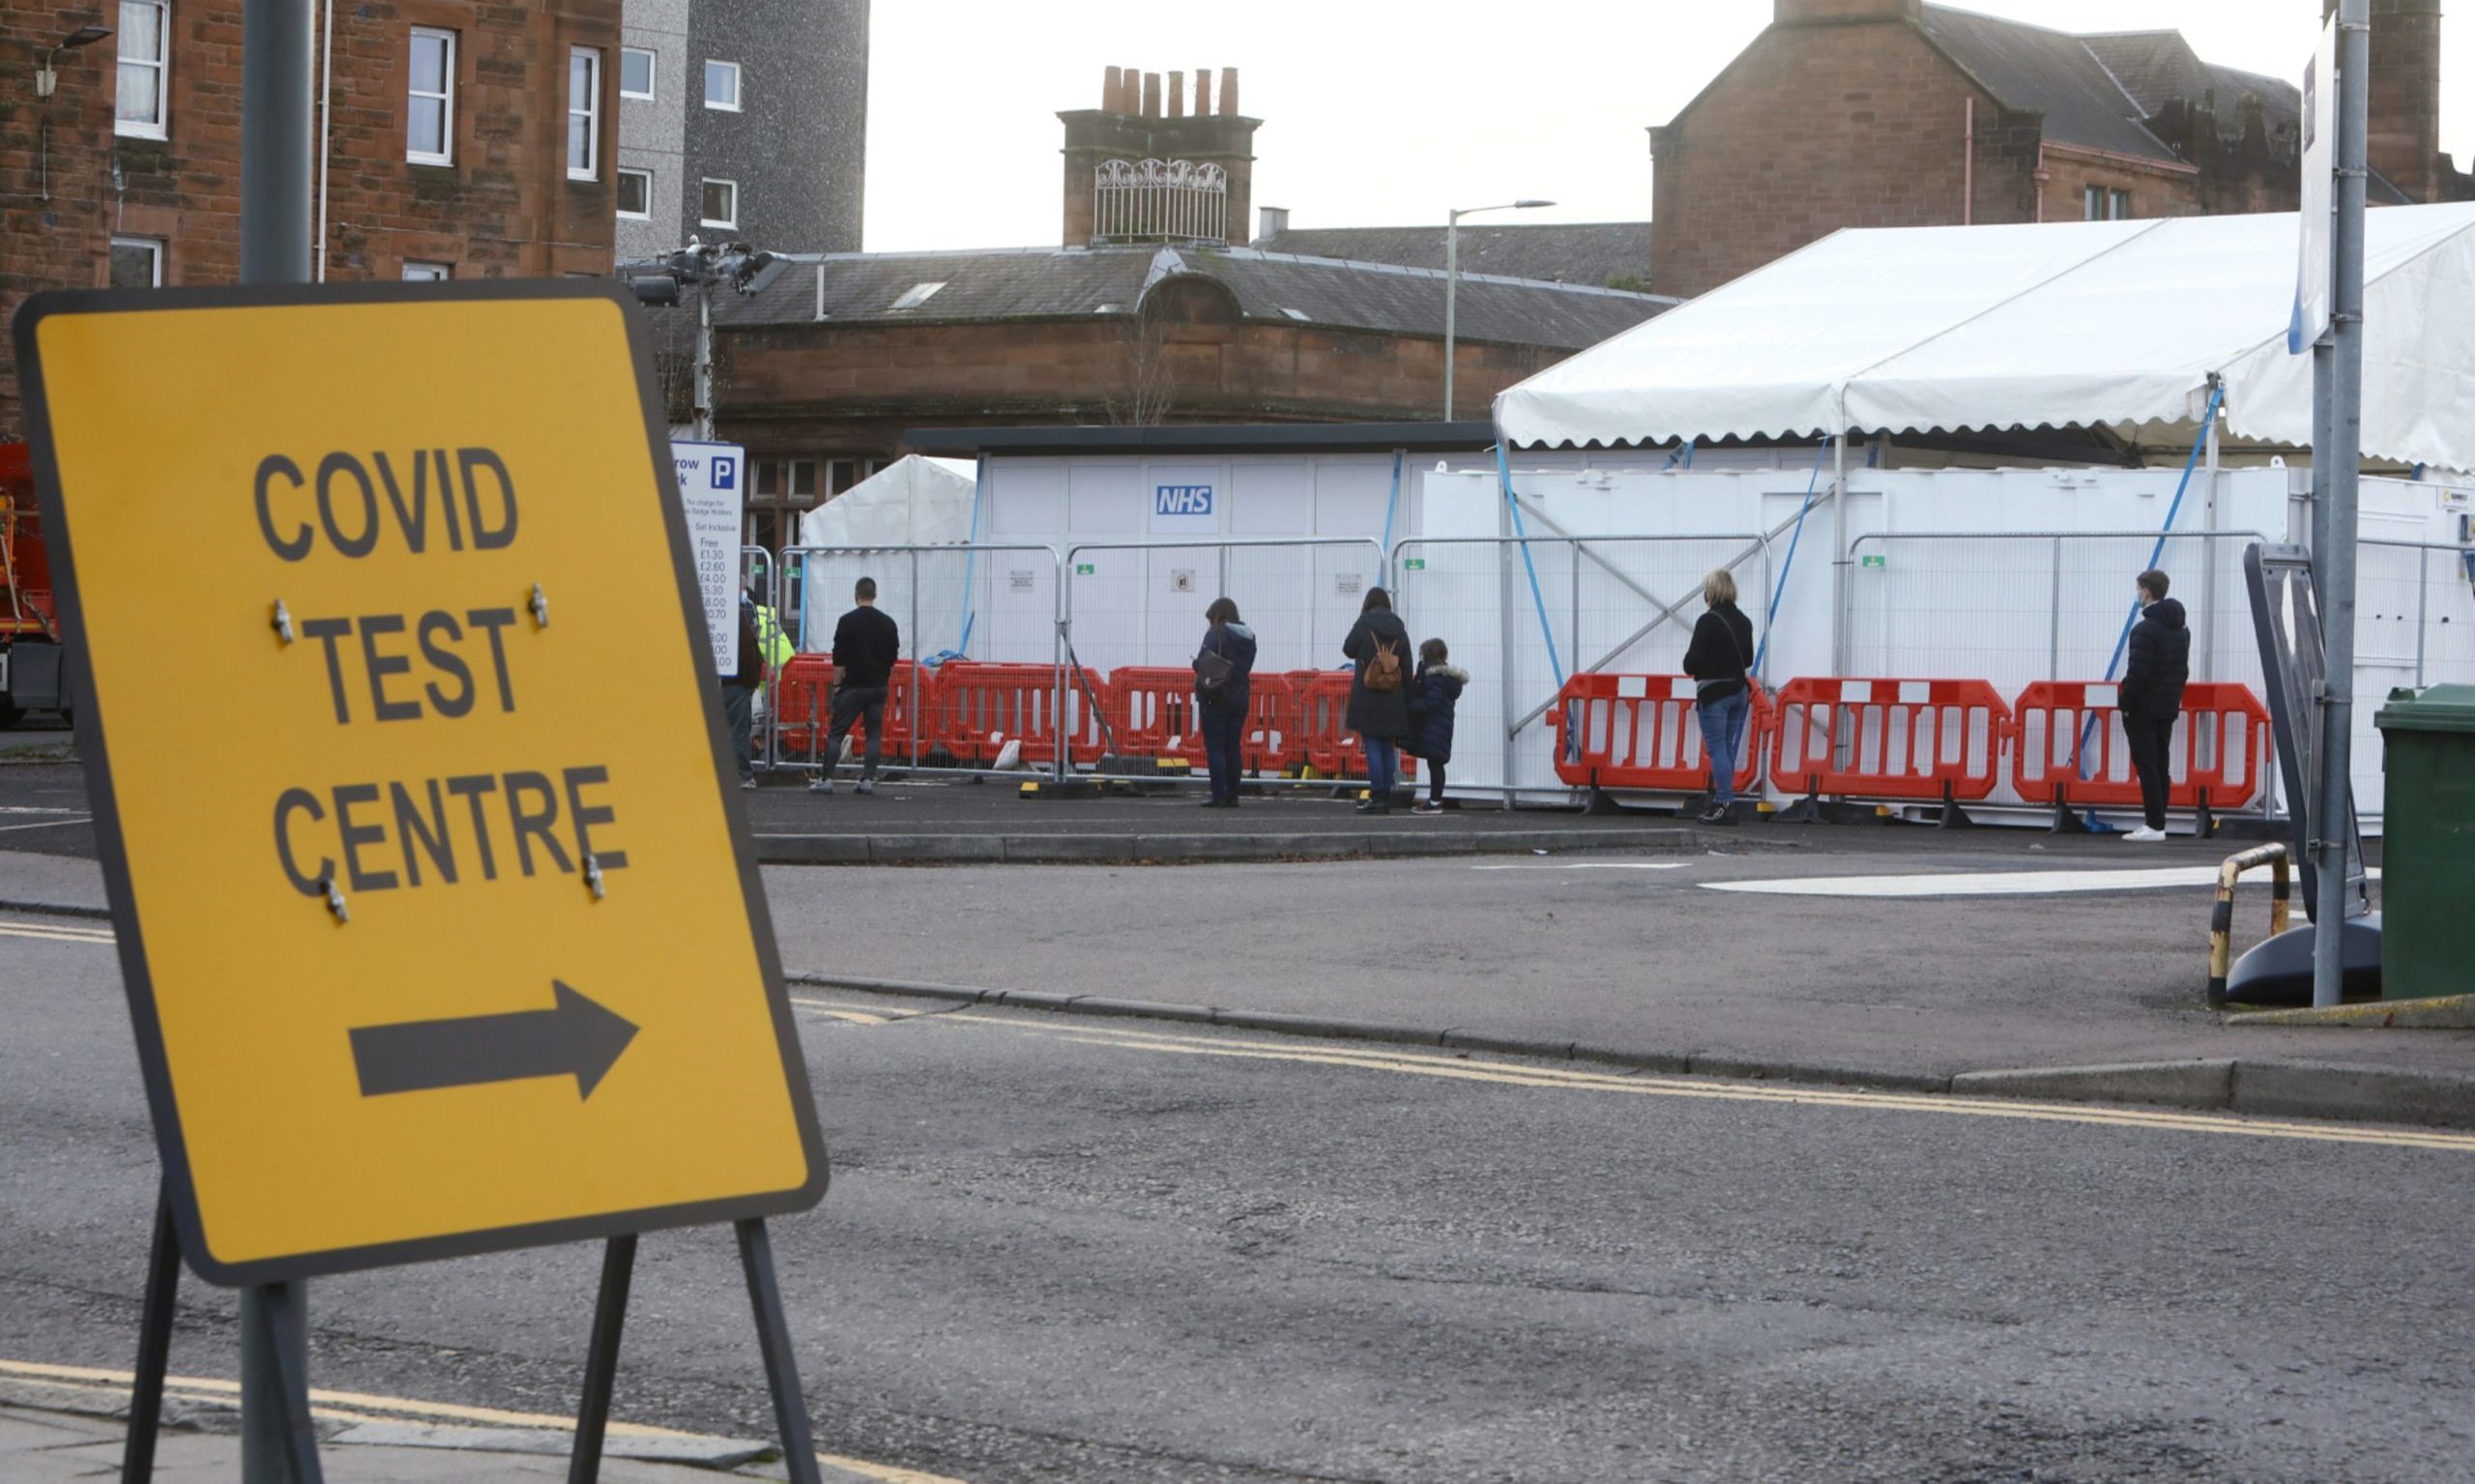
(1896, 738)
(1152, 705)
(804, 694)
(1324, 743)
(2063, 728)
(1644, 731)
(1272, 737)
(1016, 703)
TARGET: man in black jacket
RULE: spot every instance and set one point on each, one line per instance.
(865, 644)
(2152, 696)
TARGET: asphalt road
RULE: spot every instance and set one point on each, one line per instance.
(1121, 1251)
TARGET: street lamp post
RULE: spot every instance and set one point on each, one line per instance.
(1453, 279)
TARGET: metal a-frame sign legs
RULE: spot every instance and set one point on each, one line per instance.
(279, 1445)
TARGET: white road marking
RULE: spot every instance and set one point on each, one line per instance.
(50, 824)
(1984, 883)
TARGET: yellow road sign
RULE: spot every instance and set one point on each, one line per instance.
(440, 925)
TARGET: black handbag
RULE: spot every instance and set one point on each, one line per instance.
(1212, 671)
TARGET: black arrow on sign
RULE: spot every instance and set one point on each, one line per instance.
(576, 1037)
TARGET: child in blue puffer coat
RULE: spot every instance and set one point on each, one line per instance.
(1433, 693)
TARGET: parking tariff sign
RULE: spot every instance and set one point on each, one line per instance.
(435, 904)
(711, 488)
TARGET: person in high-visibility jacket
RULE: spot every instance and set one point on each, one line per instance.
(772, 641)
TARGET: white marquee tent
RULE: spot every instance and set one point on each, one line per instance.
(911, 502)
(2116, 324)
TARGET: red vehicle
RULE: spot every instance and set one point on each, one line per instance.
(32, 677)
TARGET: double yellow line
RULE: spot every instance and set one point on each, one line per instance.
(62, 933)
(1459, 1068)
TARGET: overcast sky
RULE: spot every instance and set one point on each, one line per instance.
(1380, 112)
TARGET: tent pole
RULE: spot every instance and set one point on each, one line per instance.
(1839, 584)
(2208, 637)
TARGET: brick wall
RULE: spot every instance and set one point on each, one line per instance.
(842, 390)
(503, 209)
(2405, 142)
(67, 140)
(1819, 127)
(2156, 190)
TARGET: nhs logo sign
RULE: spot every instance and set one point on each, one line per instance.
(1181, 500)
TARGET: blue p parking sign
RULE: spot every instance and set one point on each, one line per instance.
(725, 472)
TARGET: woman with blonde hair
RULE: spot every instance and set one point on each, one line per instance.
(1720, 662)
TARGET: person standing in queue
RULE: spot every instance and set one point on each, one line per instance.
(2151, 698)
(1433, 694)
(1378, 643)
(1720, 662)
(738, 692)
(865, 644)
(1222, 685)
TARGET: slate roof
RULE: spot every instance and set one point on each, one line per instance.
(2157, 68)
(1283, 288)
(2032, 68)
(1587, 252)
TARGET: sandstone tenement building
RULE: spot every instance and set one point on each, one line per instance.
(1899, 113)
(458, 139)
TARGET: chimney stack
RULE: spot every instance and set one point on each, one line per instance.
(1273, 221)
(2406, 96)
(1139, 120)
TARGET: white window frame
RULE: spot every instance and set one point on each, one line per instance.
(716, 222)
(589, 110)
(653, 72)
(618, 195)
(2092, 203)
(159, 125)
(2117, 206)
(738, 86)
(154, 245)
(446, 155)
(416, 271)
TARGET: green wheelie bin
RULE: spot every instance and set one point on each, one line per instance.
(2427, 842)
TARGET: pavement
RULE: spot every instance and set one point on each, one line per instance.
(947, 820)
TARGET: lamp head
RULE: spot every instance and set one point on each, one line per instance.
(1523, 206)
(47, 79)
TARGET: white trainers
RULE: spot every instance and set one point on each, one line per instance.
(2145, 836)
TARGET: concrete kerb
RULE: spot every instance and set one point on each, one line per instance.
(2269, 1089)
(1088, 849)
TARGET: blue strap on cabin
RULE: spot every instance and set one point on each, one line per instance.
(1779, 590)
(1504, 474)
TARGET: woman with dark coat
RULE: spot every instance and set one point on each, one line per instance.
(1378, 643)
(1720, 662)
(1222, 714)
